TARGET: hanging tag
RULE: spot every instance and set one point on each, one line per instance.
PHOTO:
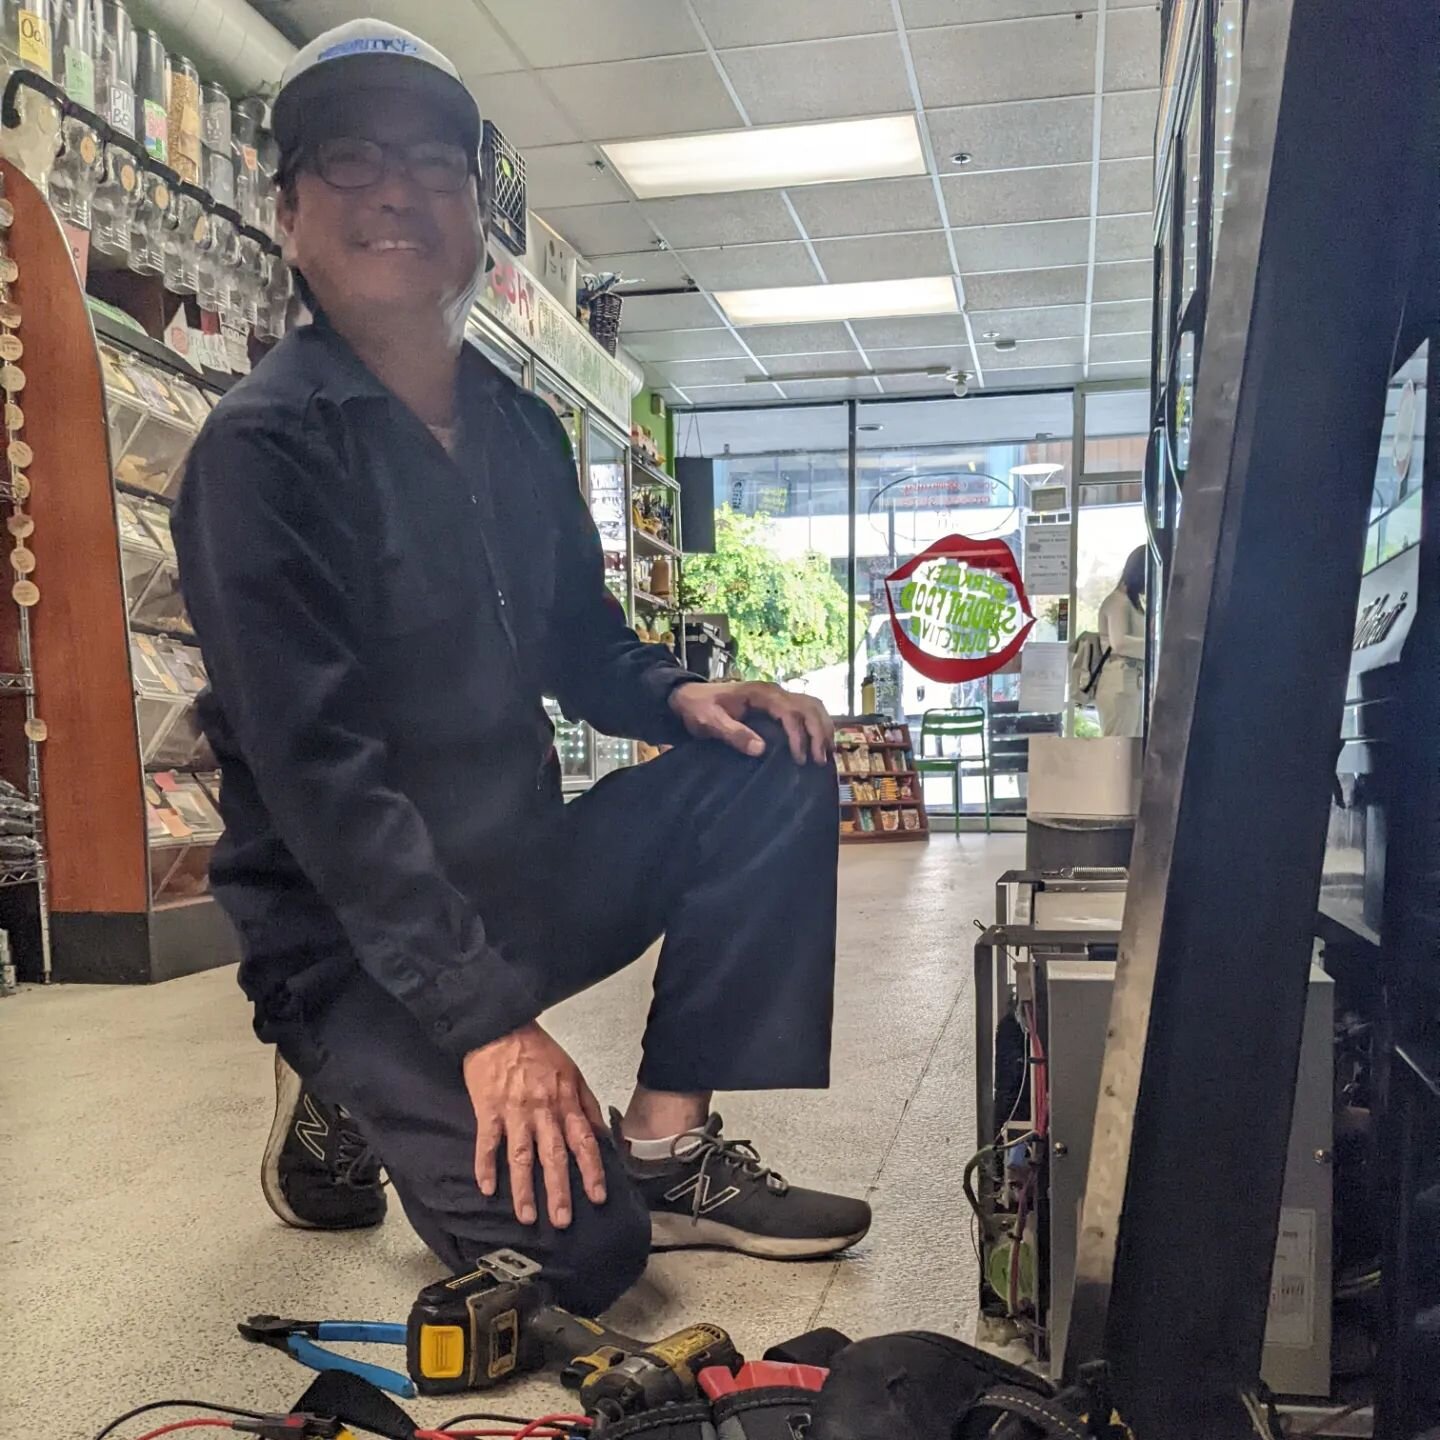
(9, 314)
(17, 452)
(14, 416)
(12, 379)
(22, 560)
(25, 593)
(10, 347)
(20, 525)
(7, 214)
(9, 270)
(19, 488)
(37, 730)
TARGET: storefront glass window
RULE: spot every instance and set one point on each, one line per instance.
(1395, 499)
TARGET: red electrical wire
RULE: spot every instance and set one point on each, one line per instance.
(546, 1427)
(174, 1425)
(550, 1421)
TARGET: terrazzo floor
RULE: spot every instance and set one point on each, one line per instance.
(132, 1120)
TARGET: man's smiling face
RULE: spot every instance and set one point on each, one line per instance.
(398, 243)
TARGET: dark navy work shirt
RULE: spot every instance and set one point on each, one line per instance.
(380, 622)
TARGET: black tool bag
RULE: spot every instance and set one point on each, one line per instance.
(928, 1387)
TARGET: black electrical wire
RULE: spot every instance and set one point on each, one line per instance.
(209, 1405)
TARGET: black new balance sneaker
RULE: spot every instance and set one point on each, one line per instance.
(318, 1173)
(716, 1193)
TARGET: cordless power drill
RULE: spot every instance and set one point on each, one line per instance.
(614, 1382)
(476, 1330)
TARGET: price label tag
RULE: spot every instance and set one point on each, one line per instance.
(36, 729)
(25, 592)
(22, 560)
(35, 43)
(10, 347)
(12, 379)
(19, 453)
(20, 525)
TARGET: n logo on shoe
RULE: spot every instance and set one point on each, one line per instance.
(699, 1186)
(312, 1130)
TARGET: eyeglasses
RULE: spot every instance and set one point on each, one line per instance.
(348, 163)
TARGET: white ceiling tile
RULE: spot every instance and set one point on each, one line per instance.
(689, 373)
(885, 257)
(1123, 237)
(574, 32)
(1029, 354)
(1127, 125)
(1023, 132)
(1013, 196)
(866, 207)
(654, 345)
(523, 110)
(1053, 322)
(644, 269)
(797, 339)
(1126, 186)
(733, 394)
(921, 13)
(563, 175)
(1033, 379)
(925, 357)
(1132, 50)
(678, 95)
(668, 312)
(692, 220)
(1021, 289)
(905, 333)
(1023, 247)
(1110, 349)
(1012, 60)
(750, 267)
(1120, 318)
(762, 22)
(592, 228)
(915, 385)
(830, 389)
(1120, 370)
(821, 79)
(1128, 281)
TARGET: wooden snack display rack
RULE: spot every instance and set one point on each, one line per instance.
(116, 910)
(879, 785)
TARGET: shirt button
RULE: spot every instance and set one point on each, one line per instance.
(442, 1027)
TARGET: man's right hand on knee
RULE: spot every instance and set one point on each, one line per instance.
(528, 1093)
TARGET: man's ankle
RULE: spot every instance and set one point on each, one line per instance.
(662, 1115)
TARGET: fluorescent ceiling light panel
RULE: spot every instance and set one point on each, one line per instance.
(770, 158)
(862, 300)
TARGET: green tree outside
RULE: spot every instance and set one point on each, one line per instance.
(787, 616)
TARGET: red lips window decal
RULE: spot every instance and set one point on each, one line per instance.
(959, 609)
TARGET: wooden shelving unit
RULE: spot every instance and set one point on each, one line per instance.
(127, 788)
(879, 786)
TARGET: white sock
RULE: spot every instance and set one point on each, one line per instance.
(665, 1148)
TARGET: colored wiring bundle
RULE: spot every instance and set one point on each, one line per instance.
(297, 1427)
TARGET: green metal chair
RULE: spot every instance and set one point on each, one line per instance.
(959, 725)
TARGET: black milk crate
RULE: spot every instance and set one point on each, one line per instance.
(505, 176)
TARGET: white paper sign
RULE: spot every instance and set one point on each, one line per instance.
(1290, 1320)
(1044, 667)
(1047, 559)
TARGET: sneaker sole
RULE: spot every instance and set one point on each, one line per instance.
(679, 1232)
(287, 1097)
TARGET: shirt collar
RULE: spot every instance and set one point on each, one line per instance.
(349, 378)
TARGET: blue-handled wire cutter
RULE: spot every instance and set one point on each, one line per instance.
(298, 1337)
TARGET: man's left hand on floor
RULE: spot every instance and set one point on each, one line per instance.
(718, 712)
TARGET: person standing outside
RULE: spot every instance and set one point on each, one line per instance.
(388, 562)
(1120, 690)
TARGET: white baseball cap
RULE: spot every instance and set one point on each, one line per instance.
(364, 54)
